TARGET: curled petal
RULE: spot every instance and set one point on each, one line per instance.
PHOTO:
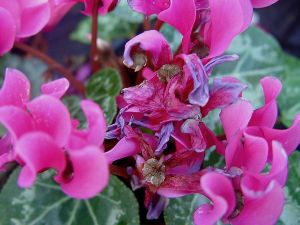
(17, 121)
(95, 132)
(150, 44)
(262, 3)
(236, 117)
(164, 137)
(90, 173)
(227, 19)
(15, 90)
(149, 7)
(9, 26)
(51, 117)
(220, 191)
(255, 153)
(182, 16)
(258, 202)
(34, 17)
(289, 138)
(38, 152)
(124, 148)
(267, 115)
(222, 92)
(56, 88)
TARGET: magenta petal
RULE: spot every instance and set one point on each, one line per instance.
(267, 115)
(262, 3)
(255, 153)
(8, 25)
(90, 173)
(149, 7)
(35, 15)
(262, 206)
(124, 148)
(227, 19)
(18, 82)
(17, 121)
(182, 16)
(289, 138)
(153, 44)
(51, 117)
(236, 117)
(220, 191)
(38, 152)
(56, 88)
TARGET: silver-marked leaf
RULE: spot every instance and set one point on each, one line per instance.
(260, 55)
(45, 204)
(103, 87)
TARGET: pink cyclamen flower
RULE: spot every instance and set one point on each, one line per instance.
(41, 136)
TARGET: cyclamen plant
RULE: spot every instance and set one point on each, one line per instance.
(160, 130)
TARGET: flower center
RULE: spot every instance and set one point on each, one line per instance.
(154, 171)
(166, 72)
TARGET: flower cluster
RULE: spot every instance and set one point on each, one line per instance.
(41, 135)
(161, 122)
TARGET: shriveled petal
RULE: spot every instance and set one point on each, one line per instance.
(236, 117)
(95, 132)
(8, 26)
(34, 17)
(220, 191)
(289, 138)
(16, 120)
(182, 16)
(193, 67)
(124, 148)
(261, 206)
(262, 3)
(56, 88)
(90, 173)
(151, 44)
(227, 19)
(222, 92)
(38, 152)
(15, 90)
(267, 115)
(149, 7)
(51, 117)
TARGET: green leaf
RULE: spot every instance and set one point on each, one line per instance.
(291, 212)
(288, 101)
(103, 87)
(122, 22)
(45, 204)
(172, 35)
(260, 55)
(180, 210)
(73, 104)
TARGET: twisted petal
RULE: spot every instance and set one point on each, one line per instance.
(51, 117)
(262, 3)
(149, 7)
(236, 117)
(9, 26)
(182, 16)
(267, 115)
(56, 88)
(153, 44)
(90, 173)
(220, 191)
(95, 132)
(257, 204)
(38, 152)
(15, 90)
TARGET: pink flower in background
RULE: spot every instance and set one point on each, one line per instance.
(41, 136)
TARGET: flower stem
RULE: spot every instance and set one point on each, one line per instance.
(52, 64)
(118, 171)
(94, 48)
(158, 24)
(146, 23)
